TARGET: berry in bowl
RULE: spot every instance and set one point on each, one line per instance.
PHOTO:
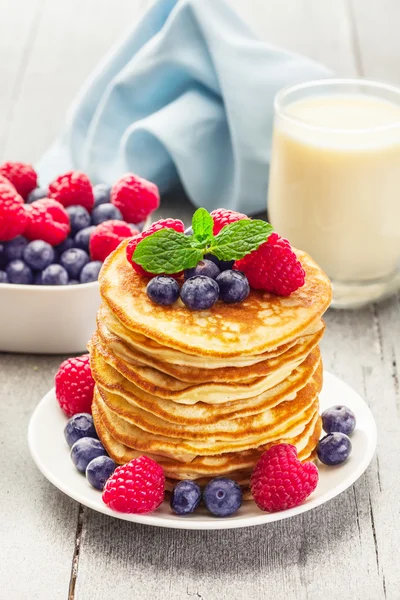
(53, 242)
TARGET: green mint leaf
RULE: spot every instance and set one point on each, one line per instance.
(237, 239)
(202, 224)
(166, 251)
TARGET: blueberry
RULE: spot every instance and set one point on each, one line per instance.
(85, 450)
(37, 194)
(222, 496)
(105, 212)
(79, 218)
(185, 497)
(189, 231)
(73, 282)
(338, 418)
(334, 448)
(223, 265)
(73, 261)
(200, 292)
(101, 194)
(18, 272)
(65, 245)
(90, 271)
(54, 275)
(82, 238)
(37, 278)
(79, 426)
(3, 277)
(233, 286)
(38, 255)
(99, 470)
(163, 290)
(3, 256)
(204, 267)
(14, 249)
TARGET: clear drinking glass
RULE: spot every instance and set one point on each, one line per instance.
(334, 188)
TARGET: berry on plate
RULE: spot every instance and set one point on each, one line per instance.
(37, 194)
(21, 175)
(106, 212)
(82, 238)
(54, 275)
(163, 290)
(73, 261)
(79, 218)
(38, 255)
(65, 245)
(101, 193)
(13, 217)
(199, 292)
(280, 481)
(90, 271)
(47, 221)
(223, 216)
(185, 497)
(273, 267)
(106, 238)
(233, 286)
(203, 267)
(99, 470)
(136, 487)
(74, 385)
(14, 249)
(334, 448)
(338, 419)
(222, 496)
(72, 188)
(79, 426)
(85, 450)
(135, 197)
(19, 272)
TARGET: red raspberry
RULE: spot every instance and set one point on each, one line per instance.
(161, 224)
(106, 237)
(22, 176)
(47, 221)
(72, 188)
(74, 385)
(135, 197)
(273, 267)
(13, 217)
(137, 487)
(280, 481)
(223, 217)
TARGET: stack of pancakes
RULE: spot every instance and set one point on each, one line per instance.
(206, 392)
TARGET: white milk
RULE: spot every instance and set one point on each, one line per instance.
(335, 192)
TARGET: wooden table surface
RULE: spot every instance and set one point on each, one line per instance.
(53, 548)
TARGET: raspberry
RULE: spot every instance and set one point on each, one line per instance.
(137, 487)
(47, 221)
(135, 197)
(223, 217)
(106, 237)
(161, 224)
(13, 217)
(280, 481)
(22, 176)
(72, 188)
(74, 385)
(273, 267)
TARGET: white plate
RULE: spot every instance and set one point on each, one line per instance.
(51, 454)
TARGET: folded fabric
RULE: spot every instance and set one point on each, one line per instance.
(187, 95)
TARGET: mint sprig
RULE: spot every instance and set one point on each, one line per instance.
(167, 251)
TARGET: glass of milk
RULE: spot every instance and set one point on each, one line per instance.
(334, 187)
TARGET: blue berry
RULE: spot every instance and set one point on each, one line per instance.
(203, 267)
(233, 286)
(65, 245)
(73, 261)
(79, 218)
(85, 450)
(189, 231)
(73, 282)
(199, 292)
(185, 497)
(14, 249)
(18, 272)
(82, 238)
(37, 194)
(222, 496)
(99, 470)
(54, 275)
(38, 255)
(334, 448)
(90, 271)
(223, 265)
(338, 418)
(79, 426)
(37, 278)
(101, 193)
(3, 277)
(106, 212)
(3, 256)
(163, 290)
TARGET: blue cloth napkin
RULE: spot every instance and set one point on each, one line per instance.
(187, 95)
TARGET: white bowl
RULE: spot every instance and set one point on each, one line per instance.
(48, 319)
